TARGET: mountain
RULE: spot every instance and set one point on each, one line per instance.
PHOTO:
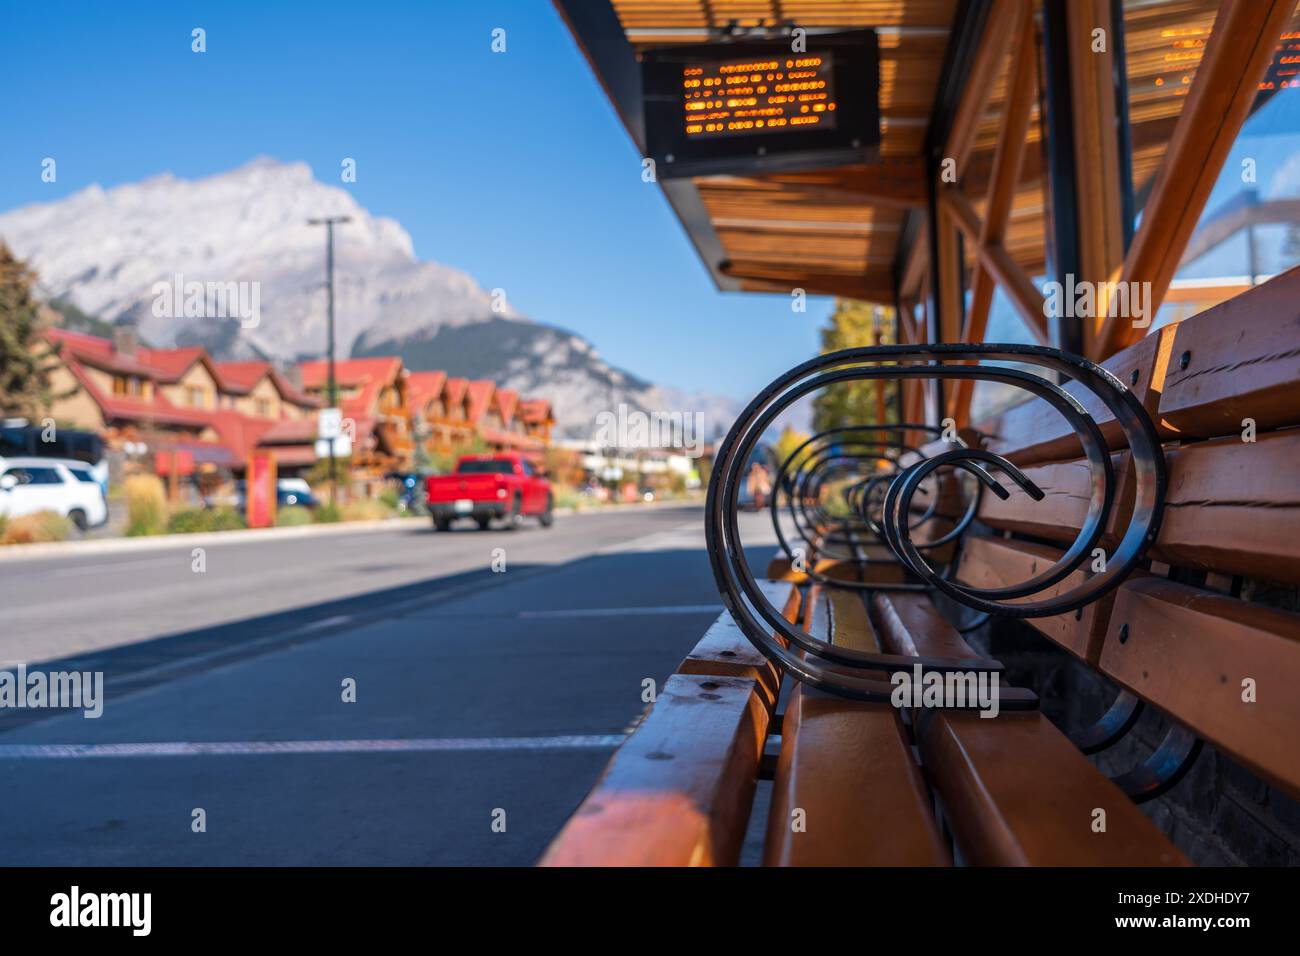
(103, 252)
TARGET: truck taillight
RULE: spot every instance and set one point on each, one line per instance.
(501, 492)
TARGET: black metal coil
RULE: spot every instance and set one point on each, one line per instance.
(880, 475)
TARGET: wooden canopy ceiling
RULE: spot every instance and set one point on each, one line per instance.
(838, 231)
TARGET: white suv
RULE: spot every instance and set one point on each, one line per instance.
(68, 487)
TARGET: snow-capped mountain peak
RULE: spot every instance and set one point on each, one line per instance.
(119, 254)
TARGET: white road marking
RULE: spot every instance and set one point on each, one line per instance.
(624, 611)
(182, 560)
(247, 747)
(334, 621)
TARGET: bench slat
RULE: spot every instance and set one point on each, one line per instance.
(1187, 651)
(1067, 488)
(1234, 507)
(1242, 362)
(882, 569)
(850, 626)
(780, 569)
(725, 651)
(680, 789)
(1034, 431)
(1020, 793)
(847, 765)
(910, 624)
(1016, 789)
(994, 562)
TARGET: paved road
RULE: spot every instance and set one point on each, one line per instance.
(477, 692)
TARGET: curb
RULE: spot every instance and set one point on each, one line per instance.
(15, 552)
(162, 542)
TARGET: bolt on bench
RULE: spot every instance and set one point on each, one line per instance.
(1120, 516)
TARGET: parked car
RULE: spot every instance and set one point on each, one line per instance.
(18, 438)
(288, 491)
(61, 485)
(295, 491)
(484, 487)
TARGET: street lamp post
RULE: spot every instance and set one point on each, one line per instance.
(331, 387)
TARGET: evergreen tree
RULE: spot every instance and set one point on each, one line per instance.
(854, 324)
(25, 359)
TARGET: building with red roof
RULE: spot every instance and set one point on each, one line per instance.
(538, 419)
(452, 412)
(263, 391)
(372, 394)
(220, 413)
(172, 400)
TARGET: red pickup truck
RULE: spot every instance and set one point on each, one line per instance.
(484, 487)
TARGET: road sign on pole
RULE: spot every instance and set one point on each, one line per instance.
(330, 424)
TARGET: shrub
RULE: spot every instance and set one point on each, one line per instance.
(36, 528)
(364, 509)
(205, 519)
(146, 505)
(328, 514)
(291, 516)
(225, 519)
(187, 521)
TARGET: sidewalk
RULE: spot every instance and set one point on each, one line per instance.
(118, 545)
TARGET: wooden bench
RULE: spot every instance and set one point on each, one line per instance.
(1178, 636)
(859, 783)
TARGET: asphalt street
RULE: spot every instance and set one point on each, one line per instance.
(486, 701)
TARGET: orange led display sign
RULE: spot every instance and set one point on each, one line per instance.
(752, 105)
(752, 96)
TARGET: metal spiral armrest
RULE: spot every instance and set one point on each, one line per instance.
(850, 454)
(882, 475)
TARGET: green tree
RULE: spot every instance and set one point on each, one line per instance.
(854, 324)
(26, 360)
(789, 440)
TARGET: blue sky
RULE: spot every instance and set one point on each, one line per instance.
(530, 185)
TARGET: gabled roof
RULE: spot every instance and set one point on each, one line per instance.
(97, 353)
(157, 410)
(455, 389)
(350, 372)
(424, 387)
(369, 375)
(507, 402)
(535, 411)
(170, 365)
(237, 434)
(240, 378)
(480, 397)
